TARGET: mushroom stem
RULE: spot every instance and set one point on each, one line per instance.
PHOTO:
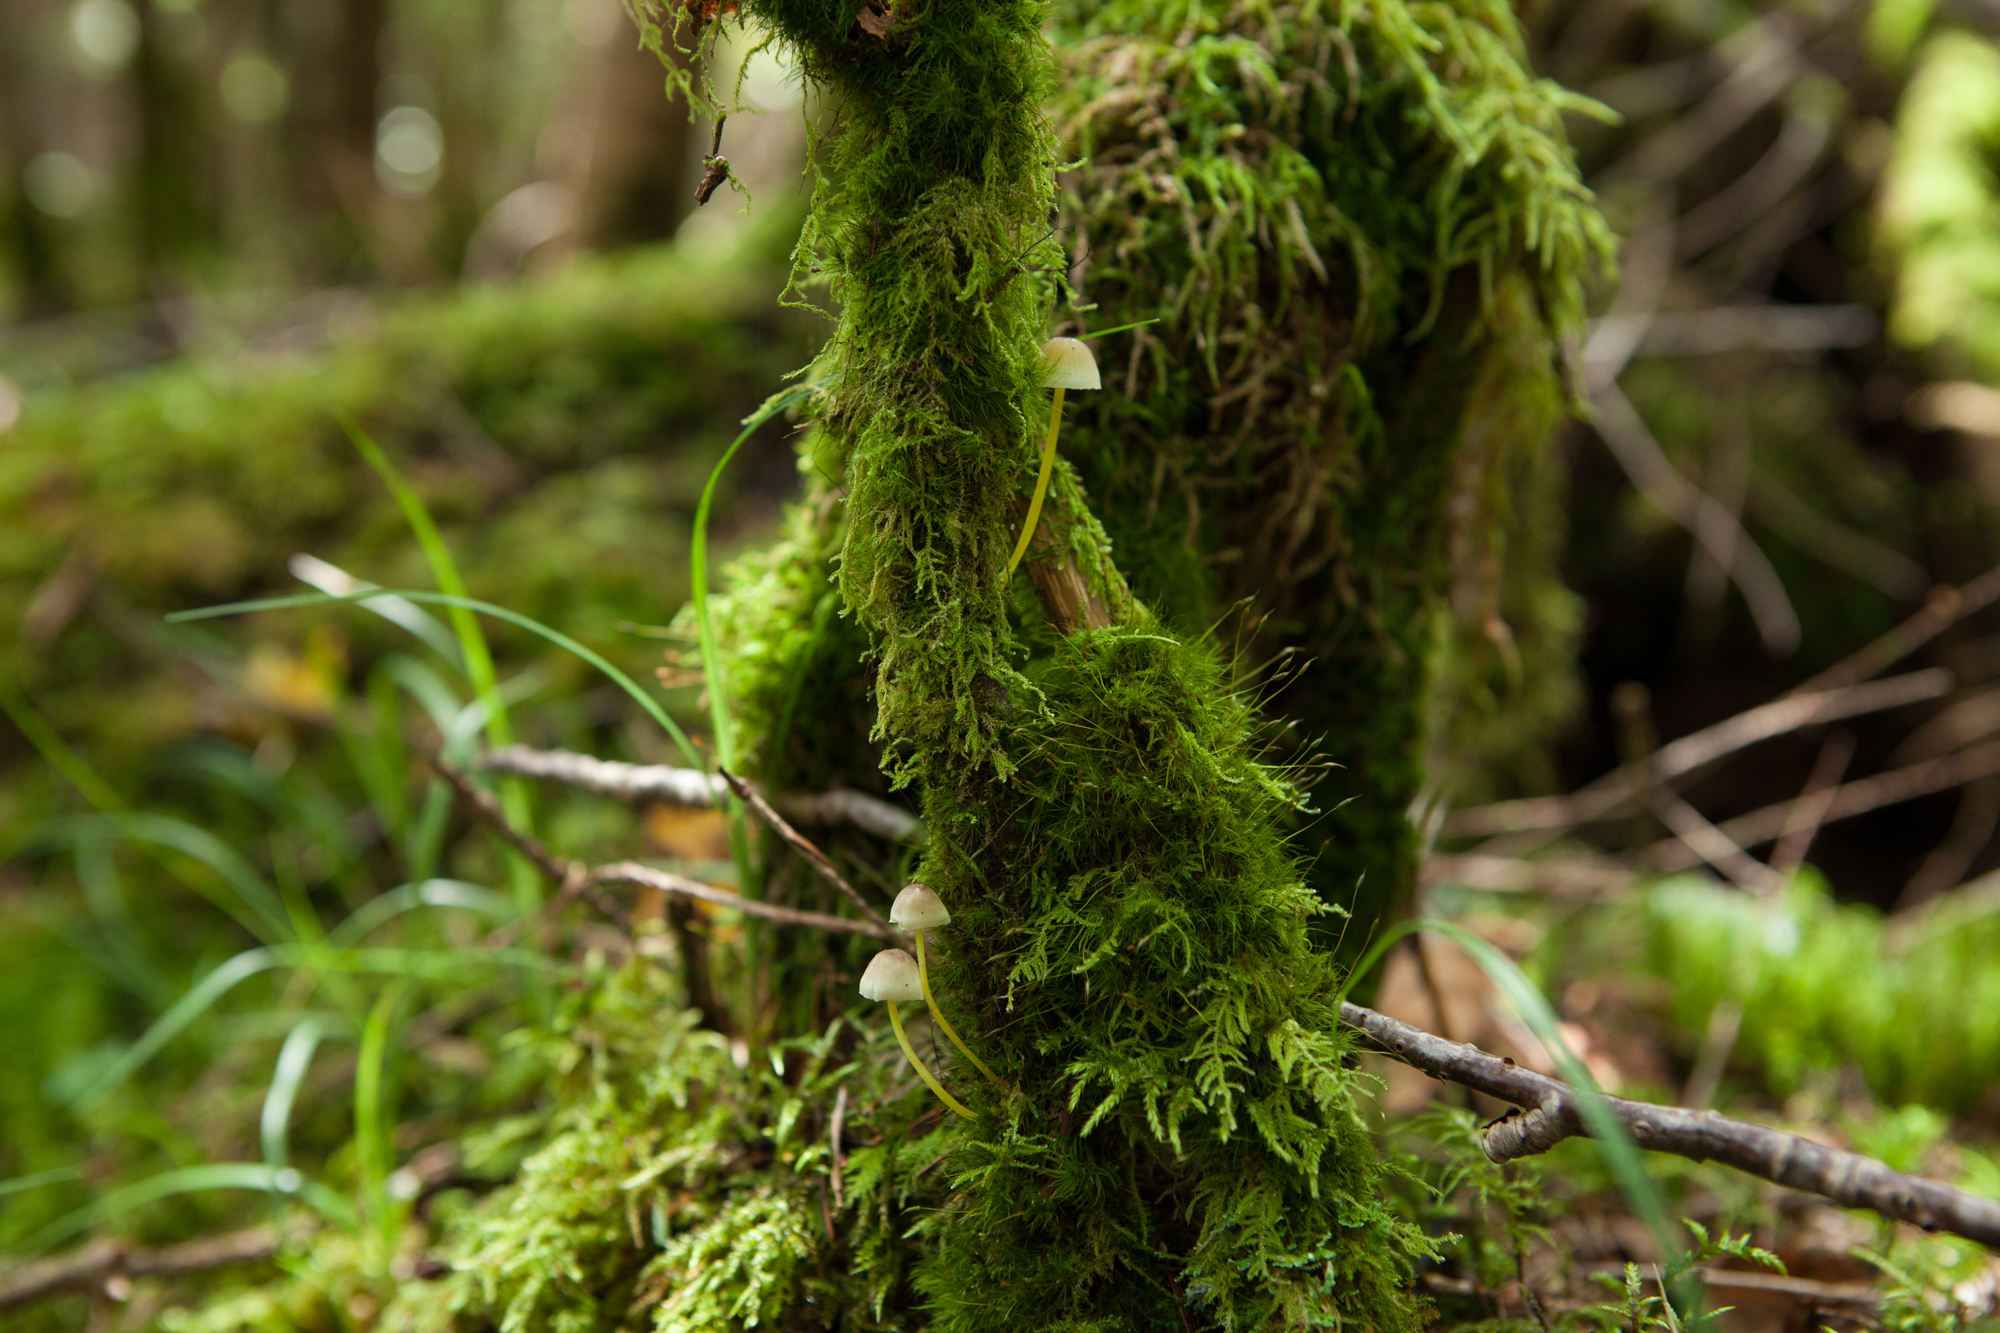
(896, 1022)
(924, 977)
(1035, 509)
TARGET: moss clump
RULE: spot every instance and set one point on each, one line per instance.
(1362, 234)
(1130, 944)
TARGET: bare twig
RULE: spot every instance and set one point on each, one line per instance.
(834, 1159)
(579, 880)
(1848, 800)
(1944, 608)
(1631, 442)
(1808, 812)
(640, 783)
(631, 872)
(102, 1260)
(572, 876)
(1563, 876)
(1550, 1112)
(1693, 831)
(1971, 830)
(1835, 544)
(1777, 718)
(814, 857)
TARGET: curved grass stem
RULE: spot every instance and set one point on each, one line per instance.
(1034, 513)
(896, 1022)
(937, 1016)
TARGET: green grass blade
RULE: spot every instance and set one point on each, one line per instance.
(373, 1121)
(194, 1180)
(407, 897)
(169, 1025)
(514, 799)
(251, 901)
(713, 672)
(22, 1184)
(471, 642)
(73, 767)
(398, 611)
(294, 1059)
(554, 636)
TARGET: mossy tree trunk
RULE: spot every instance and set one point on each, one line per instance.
(1358, 266)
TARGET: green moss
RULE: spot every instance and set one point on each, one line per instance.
(1362, 234)
(1130, 951)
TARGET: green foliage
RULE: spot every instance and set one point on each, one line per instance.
(1823, 985)
(1939, 213)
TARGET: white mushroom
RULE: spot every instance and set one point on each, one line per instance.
(1066, 364)
(892, 976)
(917, 908)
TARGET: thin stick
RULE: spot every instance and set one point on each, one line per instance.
(666, 785)
(833, 1140)
(631, 872)
(573, 876)
(1808, 812)
(815, 858)
(103, 1260)
(1550, 1113)
(1848, 800)
(1692, 830)
(1945, 607)
(1707, 519)
(1777, 718)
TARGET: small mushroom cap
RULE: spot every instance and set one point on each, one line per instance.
(892, 975)
(917, 908)
(1068, 364)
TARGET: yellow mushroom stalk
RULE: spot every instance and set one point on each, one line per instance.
(917, 909)
(892, 978)
(1066, 364)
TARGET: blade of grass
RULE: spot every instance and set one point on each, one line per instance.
(713, 671)
(251, 901)
(57, 1176)
(219, 982)
(556, 637)
(398, 611)
(372, 1115)
(407, 897)
(195, 1180)
(294, 1059)
(514, 799)
(73, 767)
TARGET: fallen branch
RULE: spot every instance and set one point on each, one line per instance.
(1607, 794)
(640, 783)
(1550, 1112)
(103, 1261)
(815, 858)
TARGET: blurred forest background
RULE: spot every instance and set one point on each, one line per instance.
(470, 228)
